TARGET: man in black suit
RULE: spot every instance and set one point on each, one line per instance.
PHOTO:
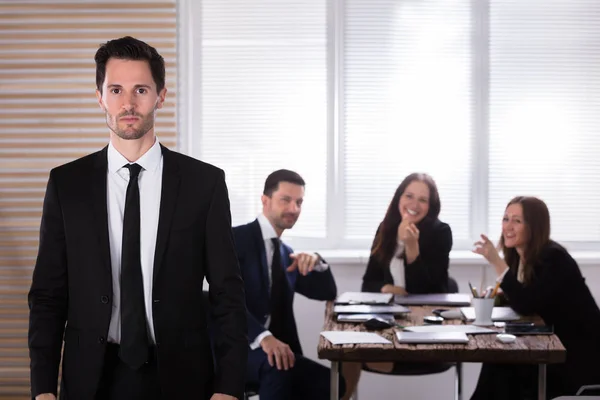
(128, 235)
(272, 272)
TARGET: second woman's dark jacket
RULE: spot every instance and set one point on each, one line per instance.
(558, 293)
(428, 273)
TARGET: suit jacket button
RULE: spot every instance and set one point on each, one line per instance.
(101, 339)
(104, 299)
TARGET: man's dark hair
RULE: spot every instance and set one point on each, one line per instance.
(128, 48)
(281, 175)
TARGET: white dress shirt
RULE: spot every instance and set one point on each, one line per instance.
(520, 274)
(268, 233)
(397, 265)
(150, 181)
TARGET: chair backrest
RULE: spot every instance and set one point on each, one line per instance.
(452, 285)
(589, 390)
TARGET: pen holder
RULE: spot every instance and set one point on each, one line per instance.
(483, 311)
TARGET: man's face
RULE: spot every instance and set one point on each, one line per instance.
(129, 98)
(283, 207)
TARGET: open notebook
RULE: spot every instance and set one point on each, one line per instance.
(365, 317)
(466, 329)
(352, 337)
(393, 309)
(435, 299)
(432, 337)
(364, 298)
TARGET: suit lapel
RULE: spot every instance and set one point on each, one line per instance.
(99, 204)
(168, 200)
(260, 245)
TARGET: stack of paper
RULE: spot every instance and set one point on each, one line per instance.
(351, 337)
(364, 298)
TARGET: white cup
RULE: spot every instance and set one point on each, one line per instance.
(483, 311)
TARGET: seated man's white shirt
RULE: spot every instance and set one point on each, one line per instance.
(268, 233)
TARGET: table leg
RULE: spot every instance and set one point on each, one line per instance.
(542, 382)
(334, 384)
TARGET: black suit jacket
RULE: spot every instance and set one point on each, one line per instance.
(72, 282)
(428, 273)
(558, 293)
(253, 262)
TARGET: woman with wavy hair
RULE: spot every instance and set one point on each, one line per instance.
(539, 277)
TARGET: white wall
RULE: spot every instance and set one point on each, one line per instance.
(309, 316)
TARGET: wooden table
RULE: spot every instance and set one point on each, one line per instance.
(530, 349)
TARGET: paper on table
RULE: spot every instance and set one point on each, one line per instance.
(364, 298)
(351, 337)
(498, 314)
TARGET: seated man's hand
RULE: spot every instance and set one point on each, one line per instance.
(394, 290)
(278, 353)
(303, 262)
(45, 396)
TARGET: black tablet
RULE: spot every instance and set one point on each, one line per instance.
(521, 329)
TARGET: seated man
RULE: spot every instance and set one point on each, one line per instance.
(272, 273)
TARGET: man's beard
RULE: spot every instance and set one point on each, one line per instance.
(282, 223)
(130, 133)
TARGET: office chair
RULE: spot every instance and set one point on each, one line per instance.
(410, 369)
(587, 392)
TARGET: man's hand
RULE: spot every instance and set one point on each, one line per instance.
(45, 396)
(303, 262)
(394, 290)
(221, 396)
(278, 353)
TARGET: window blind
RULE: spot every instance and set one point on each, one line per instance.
(263, 72)
(544, 102)
(407, 107)
(48, 116)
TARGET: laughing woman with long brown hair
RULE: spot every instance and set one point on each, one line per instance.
(539, 277)
(410, 254)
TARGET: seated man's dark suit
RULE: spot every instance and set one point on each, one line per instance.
(307, 379)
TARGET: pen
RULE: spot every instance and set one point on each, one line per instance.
(473, 291)
(495, 291)
(483, 279)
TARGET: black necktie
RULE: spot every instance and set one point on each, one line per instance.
(278, 293)
(134, 335)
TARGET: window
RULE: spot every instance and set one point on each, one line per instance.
(493, 99)
(407, 107)
(544, 112)
(263, 72)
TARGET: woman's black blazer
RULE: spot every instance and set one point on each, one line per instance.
(428, 273)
